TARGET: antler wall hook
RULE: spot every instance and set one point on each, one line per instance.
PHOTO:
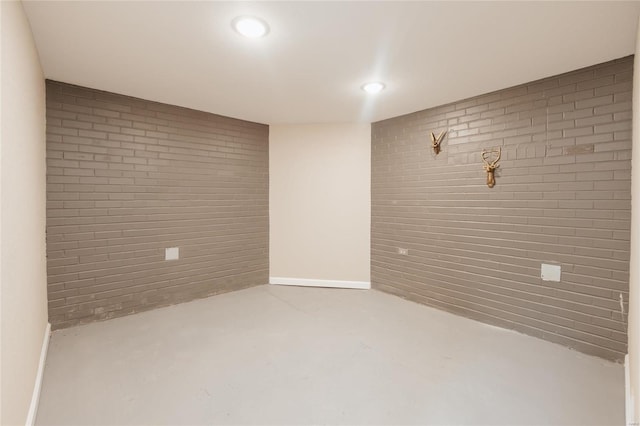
(435, 141)
(491, 167)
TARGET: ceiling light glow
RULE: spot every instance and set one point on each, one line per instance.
(373, 87)
(250, 26)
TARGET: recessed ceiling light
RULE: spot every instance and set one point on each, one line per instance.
(250, 26)
(373, 87)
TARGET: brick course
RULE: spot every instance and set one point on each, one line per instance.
(562, 195)
(127, 178)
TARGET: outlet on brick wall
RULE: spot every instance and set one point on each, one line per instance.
(171, 253)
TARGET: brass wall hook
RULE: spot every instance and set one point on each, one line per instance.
(435, 141)
(490, 167)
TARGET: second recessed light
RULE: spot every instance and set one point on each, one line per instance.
(373, 87)
(250, 26)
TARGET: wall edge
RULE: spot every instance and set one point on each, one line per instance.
(305, 282)
(35, 398)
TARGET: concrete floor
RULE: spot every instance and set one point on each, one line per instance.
(289, 355)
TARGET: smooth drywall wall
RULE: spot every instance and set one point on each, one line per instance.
(562, 196)
(24, 289)
(319, 198)
(129, 178)
(633, 401)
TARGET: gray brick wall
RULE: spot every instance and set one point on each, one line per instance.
(128, 178)
(562, 195)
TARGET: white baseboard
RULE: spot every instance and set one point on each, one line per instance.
(35, 398)
(629, 403)
(362, 285)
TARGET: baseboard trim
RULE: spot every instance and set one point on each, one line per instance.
(305, 282)
(629, 403)
(35, 398)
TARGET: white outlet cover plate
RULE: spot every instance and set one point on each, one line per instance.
(171, 253)
(550, 272)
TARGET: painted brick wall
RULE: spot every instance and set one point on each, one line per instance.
(128, 178)
(562, 195)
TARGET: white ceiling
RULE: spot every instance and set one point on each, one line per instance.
(310, 67)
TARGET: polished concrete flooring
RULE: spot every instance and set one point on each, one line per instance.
(288, 355)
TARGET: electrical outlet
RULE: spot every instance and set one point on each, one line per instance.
(550, 272)
(403, 251)
(171, 253)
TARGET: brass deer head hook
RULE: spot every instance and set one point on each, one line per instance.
(435, 141)
(491, 167)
